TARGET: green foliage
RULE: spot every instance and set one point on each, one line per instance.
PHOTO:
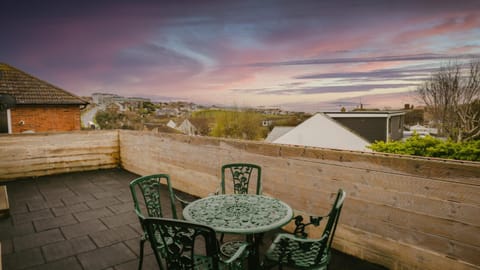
(429, 146)
(111, 119)
(238, 124)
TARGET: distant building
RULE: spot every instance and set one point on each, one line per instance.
(171, 124)
(322, 131)
(422, 131)
(104, 98)
(40, 106)
(186, 127)
(277, 132)
(267, 123)
(373, 125)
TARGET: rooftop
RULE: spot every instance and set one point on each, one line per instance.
(28, 89)
(85, 220)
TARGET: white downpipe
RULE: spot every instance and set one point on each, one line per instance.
(388, 129)
(9, 121)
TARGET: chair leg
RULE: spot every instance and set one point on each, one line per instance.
(221, 238)
(142, 244)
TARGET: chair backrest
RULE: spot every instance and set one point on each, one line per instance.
(149, 186)
(182, 240)
(240, 173)
(329, 231)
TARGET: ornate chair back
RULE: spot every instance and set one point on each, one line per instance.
(149, 187)
(241, 174)
(300, 252)
(188, 245)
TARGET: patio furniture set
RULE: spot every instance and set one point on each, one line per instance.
(197, 240)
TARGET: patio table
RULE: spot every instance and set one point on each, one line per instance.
(248, 214)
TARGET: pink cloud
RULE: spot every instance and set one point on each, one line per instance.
(450, 24)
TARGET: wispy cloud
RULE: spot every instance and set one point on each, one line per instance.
(393, 73)
(323, 89)
(353, 60)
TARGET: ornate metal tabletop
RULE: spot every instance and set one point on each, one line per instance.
(239, 213)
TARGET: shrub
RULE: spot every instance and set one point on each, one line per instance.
(429, 146)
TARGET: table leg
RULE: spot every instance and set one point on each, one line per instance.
(254, 256)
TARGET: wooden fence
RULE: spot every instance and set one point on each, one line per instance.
(24, 155)
(402, 212)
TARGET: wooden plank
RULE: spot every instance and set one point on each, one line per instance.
(393, 254)
(4, 205)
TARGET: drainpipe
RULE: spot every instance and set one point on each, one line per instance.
(388, 129)
(9, 121)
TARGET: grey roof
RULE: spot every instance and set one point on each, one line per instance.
(29, 90)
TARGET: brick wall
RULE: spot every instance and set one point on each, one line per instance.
(45, 118)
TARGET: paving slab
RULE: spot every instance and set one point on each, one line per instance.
(83, 228)
(23, 259)
(110, 256)
(37, 239)
(68, 248)
(70, 263)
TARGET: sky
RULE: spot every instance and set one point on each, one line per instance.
(296, 55)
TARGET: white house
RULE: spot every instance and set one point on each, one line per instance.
(423, 129)
(322, 131)
(171, 124)
(186, 127)
(277, 132)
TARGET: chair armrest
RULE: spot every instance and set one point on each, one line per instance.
(241, 252)
(216, 192)
(300, 225)
(183, 202)
(296, 238)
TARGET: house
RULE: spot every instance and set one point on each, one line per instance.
(40, 106)
(423, 130)
(267, 122)
(186, 127)
(277, 132)
(171, 124)
(322, 131)
(373, 125)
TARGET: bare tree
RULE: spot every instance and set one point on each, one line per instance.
(452, 95)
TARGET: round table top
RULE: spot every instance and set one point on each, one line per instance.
(239, 213)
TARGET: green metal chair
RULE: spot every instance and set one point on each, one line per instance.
(189, 246)
(295, 250)
(149, 187)
(240, 174)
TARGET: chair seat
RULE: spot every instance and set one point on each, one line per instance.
(297, 252)
(228, 249)
(205, 263)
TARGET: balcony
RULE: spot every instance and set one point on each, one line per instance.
(70, 206)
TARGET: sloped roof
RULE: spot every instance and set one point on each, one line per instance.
(322, 131)
(277, 132)
(29, 90)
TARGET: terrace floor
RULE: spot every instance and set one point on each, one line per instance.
(85, 220)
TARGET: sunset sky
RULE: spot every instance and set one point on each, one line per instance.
(299, 55)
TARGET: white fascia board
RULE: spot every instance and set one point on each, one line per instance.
(364, 115)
